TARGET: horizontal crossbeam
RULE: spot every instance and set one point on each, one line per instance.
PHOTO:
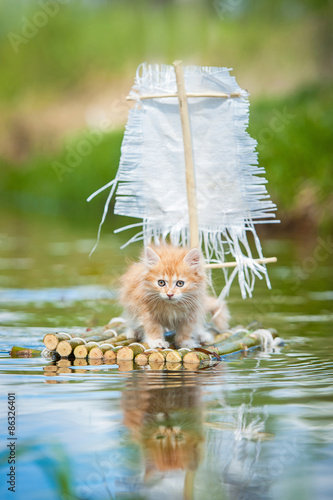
(221, 95)
(219, 265)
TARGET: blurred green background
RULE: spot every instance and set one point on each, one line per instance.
(67, 66)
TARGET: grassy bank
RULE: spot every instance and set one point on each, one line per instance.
(295, 147)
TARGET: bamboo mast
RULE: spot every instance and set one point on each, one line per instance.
(189, 166)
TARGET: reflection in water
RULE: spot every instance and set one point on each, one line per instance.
(166, 418)
(64, 366)
(237, 454)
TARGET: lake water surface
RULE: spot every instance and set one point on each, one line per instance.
(253, 427)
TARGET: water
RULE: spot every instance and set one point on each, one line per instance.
(254, 427)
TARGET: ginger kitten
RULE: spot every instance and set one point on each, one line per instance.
(167, 291)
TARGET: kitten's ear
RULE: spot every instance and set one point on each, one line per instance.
(151, 257)
(193, 257)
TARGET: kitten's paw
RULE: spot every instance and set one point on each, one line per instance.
(204, 337)
(131, 333)
(155, 343)
(134, 332)
(189, 343)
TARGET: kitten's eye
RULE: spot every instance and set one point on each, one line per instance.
(180, 283)
(161, 283)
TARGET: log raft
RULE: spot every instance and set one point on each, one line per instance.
(119, 349)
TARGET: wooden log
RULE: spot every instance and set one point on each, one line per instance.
(66, 347)
(195, 356)
(83, 350)
(143, 357)
(158, 355)
(176, 356)
(105, 336)
(239, 334)
(24, 352)
(127, 353)
(80, 351)
(250, 340)
(106, 347)
(119, 338)
(51, 340)
(116, 323)
(121, 342)
(95, 353)
(108, 353)
(108, 335)
(110, 357)
(91, 345)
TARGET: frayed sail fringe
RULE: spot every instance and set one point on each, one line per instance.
(106, 208)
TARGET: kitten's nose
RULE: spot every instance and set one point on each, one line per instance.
(170, 294)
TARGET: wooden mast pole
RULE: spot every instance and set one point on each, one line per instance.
(189, 166)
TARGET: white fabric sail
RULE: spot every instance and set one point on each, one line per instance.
(230, 188)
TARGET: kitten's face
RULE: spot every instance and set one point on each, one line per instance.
(174, 274)
(171, 286)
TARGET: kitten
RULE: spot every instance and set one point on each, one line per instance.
(167, 291)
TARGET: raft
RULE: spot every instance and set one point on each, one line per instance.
(111, 346)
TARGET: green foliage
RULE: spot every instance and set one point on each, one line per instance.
(91, 41)
(295, 146)
(60, 185)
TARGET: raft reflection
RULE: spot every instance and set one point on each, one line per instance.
(182, 444)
